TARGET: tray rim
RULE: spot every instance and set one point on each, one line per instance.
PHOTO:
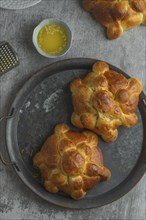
(126, 185)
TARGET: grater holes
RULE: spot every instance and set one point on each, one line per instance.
(8, 58)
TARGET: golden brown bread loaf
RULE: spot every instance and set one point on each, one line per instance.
(117, 15)
(104, 100)
(71, 161)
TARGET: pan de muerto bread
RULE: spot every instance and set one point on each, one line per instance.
(117, 15)
(71, 162)
(104, 100)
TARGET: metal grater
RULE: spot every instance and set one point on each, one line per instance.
(8, 57)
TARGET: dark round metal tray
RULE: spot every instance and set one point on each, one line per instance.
(43, 102)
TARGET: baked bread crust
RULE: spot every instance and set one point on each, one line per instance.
(104, 100)
(71, 162)
(117, 15)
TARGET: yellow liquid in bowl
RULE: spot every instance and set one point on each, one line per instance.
(52, 39)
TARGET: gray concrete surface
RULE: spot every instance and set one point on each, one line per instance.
(129, 53)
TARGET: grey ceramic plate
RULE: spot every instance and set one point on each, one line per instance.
(17, 4)
(43, 102)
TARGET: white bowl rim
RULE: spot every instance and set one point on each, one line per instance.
(43, 23)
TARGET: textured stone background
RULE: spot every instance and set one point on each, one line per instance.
(129, 53)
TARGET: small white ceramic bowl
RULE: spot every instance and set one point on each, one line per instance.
(42, 24)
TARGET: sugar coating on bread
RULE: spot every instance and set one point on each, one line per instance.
(104, 100)
(117, 15)
(71, 162)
